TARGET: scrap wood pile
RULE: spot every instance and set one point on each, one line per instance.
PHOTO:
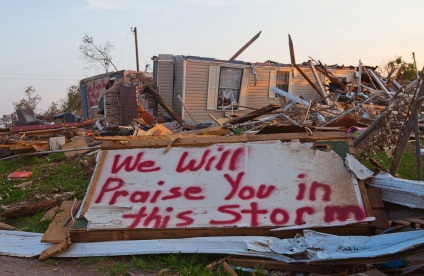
(20, 141)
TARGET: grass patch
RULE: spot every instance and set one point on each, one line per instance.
(180, 264)
(52, 175)
(407, 168)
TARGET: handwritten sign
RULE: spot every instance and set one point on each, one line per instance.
(245, 185)
(95, 90)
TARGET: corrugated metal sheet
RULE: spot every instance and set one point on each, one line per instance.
(400, 191)
(312, 247)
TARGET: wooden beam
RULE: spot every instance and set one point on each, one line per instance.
(151, 89)
(245, 46)
(81, 234)
(318, 81)
(210, 140)
(254, 114)
(293, 61)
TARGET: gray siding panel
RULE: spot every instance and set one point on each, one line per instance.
(165, 82)
(178, 86)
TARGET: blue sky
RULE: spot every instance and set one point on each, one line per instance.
(39, 40)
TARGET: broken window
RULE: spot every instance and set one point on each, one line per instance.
(229, 87)
(282, 81)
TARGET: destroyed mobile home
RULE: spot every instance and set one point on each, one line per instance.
(230, 157)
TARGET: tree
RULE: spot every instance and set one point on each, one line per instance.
(52, 110)
(8, 120)
(96, 56)
(400, 69)
(30, 101)
(72, 103)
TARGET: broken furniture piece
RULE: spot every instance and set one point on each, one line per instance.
(26, 117)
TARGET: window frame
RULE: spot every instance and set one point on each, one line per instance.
(230, 106)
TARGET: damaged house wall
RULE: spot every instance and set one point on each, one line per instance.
(120, 100)
(197, 80)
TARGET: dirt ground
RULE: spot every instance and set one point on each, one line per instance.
(57, 266)
(33, 267)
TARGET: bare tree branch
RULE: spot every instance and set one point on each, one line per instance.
(96, 55)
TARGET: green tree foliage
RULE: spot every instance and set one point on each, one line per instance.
(72, 103)
(8, 120)
(52, 110)
(30, 101)
(402, 70)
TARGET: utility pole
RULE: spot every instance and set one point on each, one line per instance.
(136, 46)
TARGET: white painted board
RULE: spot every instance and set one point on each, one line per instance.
(243, 185)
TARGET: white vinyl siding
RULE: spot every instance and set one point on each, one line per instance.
(165, 82)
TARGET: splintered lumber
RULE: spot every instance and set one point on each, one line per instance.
(323, 70)
(4, 226)
(245, 46)
(350, 110)
(55, 249)
(318, 81)
(25, 209)
(293, 61)
(62, 222)
(210, 140)
(218, 130)
(151, 89)
(254, 114)
(228, 268)
(16, 129)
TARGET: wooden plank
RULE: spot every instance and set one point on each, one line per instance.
(374, 196)
(17, 129)
(4, 226)
(228, 268)
(365, 199)
(93, 184)
(381, 221)
(254, 114)
(55, 249)
(28, 208)
(204, 141)
(275, 265)
(58, 228)
(82, 235)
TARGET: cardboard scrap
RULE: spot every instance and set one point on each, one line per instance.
(76, 143)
